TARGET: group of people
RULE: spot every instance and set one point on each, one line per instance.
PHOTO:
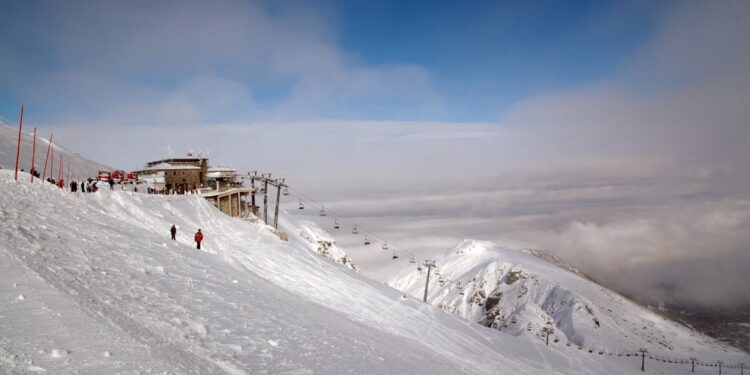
(86, 186)
(198, 237)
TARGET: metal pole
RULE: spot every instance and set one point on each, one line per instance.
(252, 186)
(265, 201)
(429, 264)
(18, 149)
(52, 163)
(33, 155)
(276, 210)
(49, 147)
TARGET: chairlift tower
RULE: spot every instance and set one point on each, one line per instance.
(692, 364)
(429, 264)
(720, 364)
(643, 358)
(742, 368)
(548, 331)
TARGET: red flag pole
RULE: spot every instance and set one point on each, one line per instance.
(68, 181)
(52, 163)
(60, 170)
(33, 155)
(46, 157)
(18, 149)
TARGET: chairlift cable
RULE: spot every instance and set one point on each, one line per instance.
(312, 202)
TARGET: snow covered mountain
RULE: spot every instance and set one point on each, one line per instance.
(522, 293)
(80, 166)
(91, 283)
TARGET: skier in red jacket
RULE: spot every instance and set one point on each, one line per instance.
(198, 238)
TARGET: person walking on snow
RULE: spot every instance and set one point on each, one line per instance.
(173, 230)
(198, 238)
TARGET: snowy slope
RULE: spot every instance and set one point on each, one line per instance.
(92, 284)
(519, 293)
(80, 167)
(315, 239)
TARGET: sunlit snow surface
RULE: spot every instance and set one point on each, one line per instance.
(520, 294)
(92, 284)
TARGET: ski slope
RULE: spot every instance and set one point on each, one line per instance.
(92, 284)
(520, 294)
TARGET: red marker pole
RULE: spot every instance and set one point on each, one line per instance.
(33, 155)
(46, 157)
(52, 163)
(18, 149)
(60, 170)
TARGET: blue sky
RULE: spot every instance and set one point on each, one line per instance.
(485, 55)
(458, 61)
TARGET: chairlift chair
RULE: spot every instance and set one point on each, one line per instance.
(354, 230)
(412, 260)
(336, 224)
(323, 211)
(286, 191)
(301, 206)
(367, 242)
(385, 245)
(394, 254)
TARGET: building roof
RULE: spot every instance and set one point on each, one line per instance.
(167, 166)
(214, 193)
(178, 160)
(222, 169)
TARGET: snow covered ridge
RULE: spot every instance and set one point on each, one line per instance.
(520, 294)
(316, 239)
(91, 283)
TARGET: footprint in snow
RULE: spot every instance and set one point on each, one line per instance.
(59, 353)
